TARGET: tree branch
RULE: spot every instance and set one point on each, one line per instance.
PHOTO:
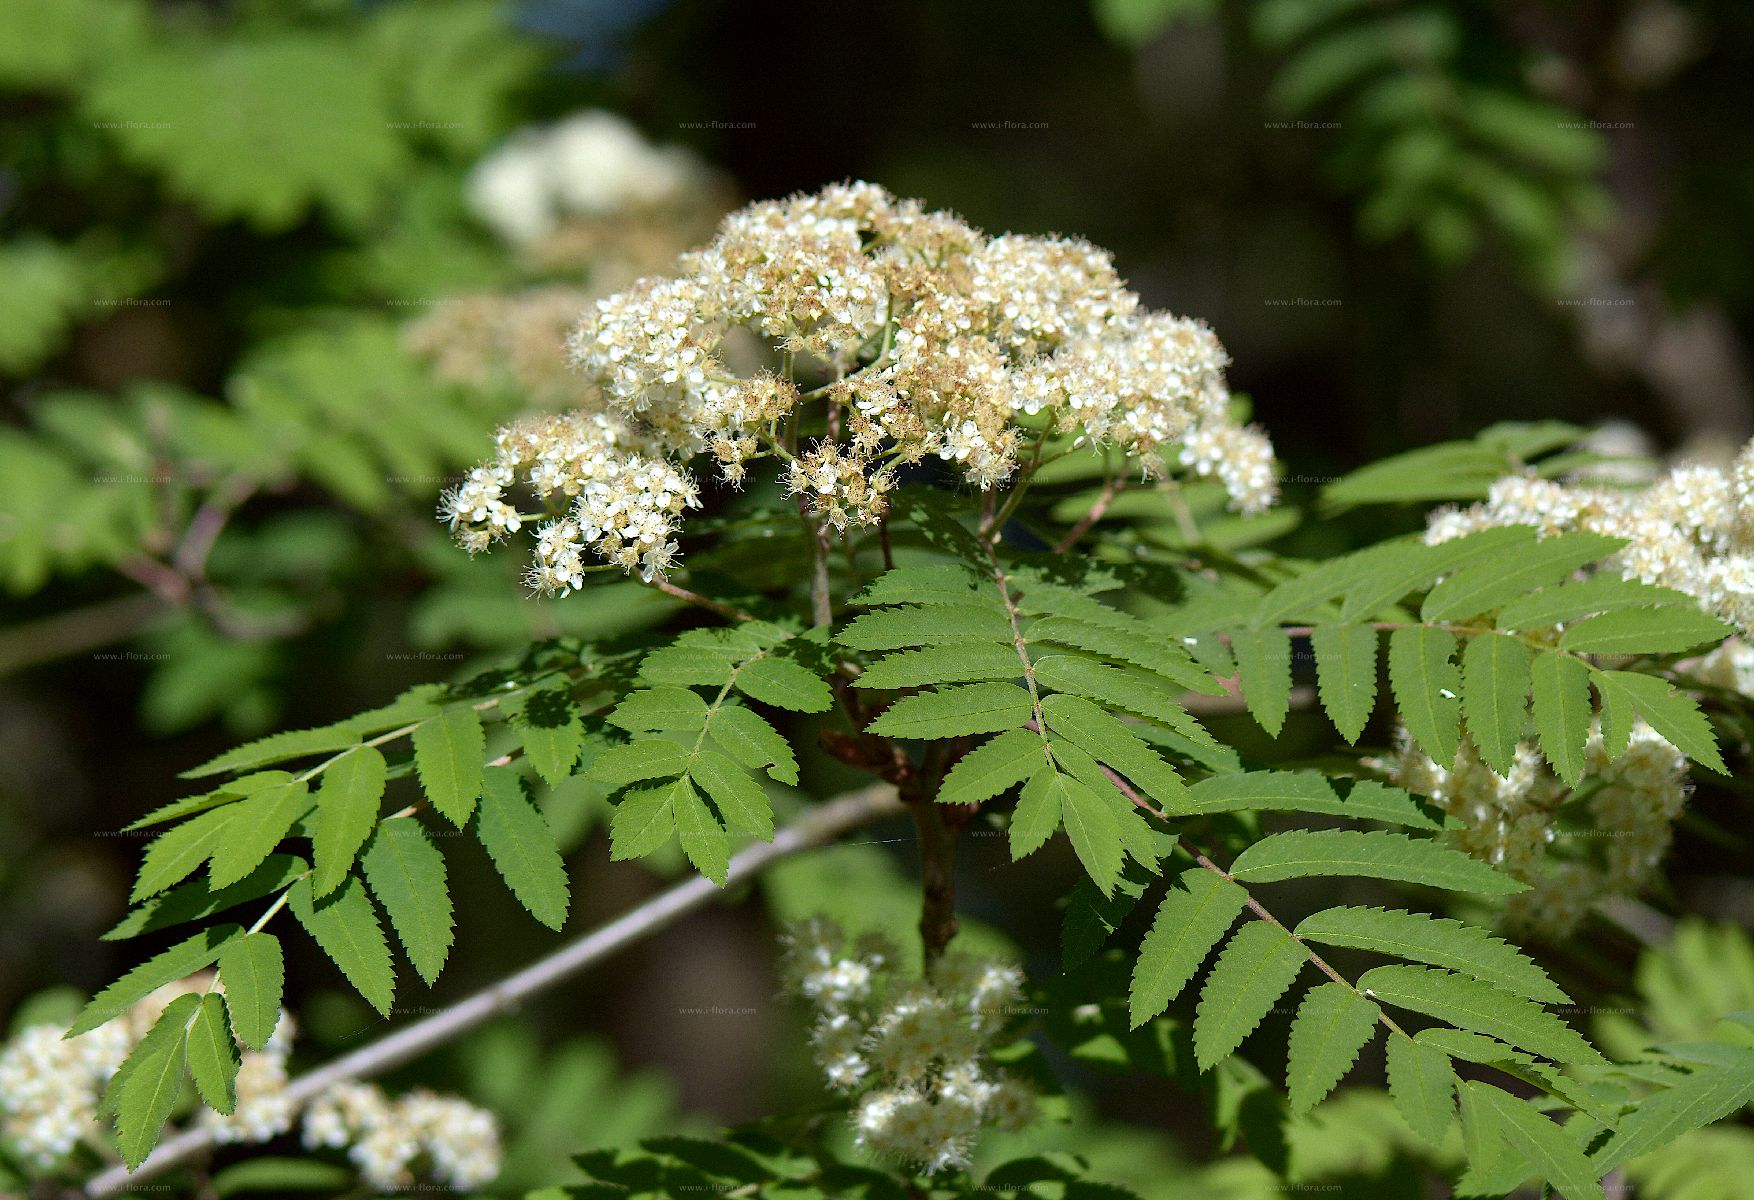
(816, 827)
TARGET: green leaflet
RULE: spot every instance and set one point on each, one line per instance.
(1112, 687)
(1671, 713)
(522, 847)
(347, 810)
(150, 1081)
(635, 761)
(703, 838)
(660, 709)
(921, 585)
(1252, 972)
(784, 684)
(1423, 1086)
(1495, 696)
(1428, 689)
(407, 875)
(549, 723)
(1401, 567)
(1263, 664)
(1138, 839)
(188, 806)
(956, 711)
(213, 1055)
(448, 754)
(196, 899)
(740, 800)
(992, 768)
(747, 737)
(258, 824)
(1559, 1160)
(1562, 712)
(182, 959)
(254, 974)
(1628, 631)
(1480, 1008)
(643, 820)
(1094, 829)
(1332, 1025)
(1304, 791)
(1100, 735)
(919, 625)
(1489, 585)
(1707, 1095)
(1346, 675)
(1439, 941)
(1092, 917)
(1128, 640)
(1037, 816)
(345, 925)
(1599, 593)
(1298, 854)
(278, 747)
(179, 851)
(1197, 911)
(973, 662)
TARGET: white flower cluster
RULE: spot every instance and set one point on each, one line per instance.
(385, 1136)
(1691, 530)
(1514, 822)
(910, 1051)
(50, 1087)
(936, 341)
(592, 164)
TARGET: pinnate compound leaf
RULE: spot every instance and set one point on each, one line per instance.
(1196, 912)
(1346, 675)
(347, 809)
(448, 754)
(1557, 1158)
(518, 840)
(1252, 972)
(955, 712)
(184, 958)
(1422, 1084)
(253, 971)
(1428, 689)
(1495, 696)
(345, 925)
(993, 768)
(407, 875)
(1438, 941)
(1263, 663)
(1332, 1025)
(1376, 854)
(213, 1055)
(1562, 712)
(1478, 1008)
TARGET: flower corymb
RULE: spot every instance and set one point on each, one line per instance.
(880, 334)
